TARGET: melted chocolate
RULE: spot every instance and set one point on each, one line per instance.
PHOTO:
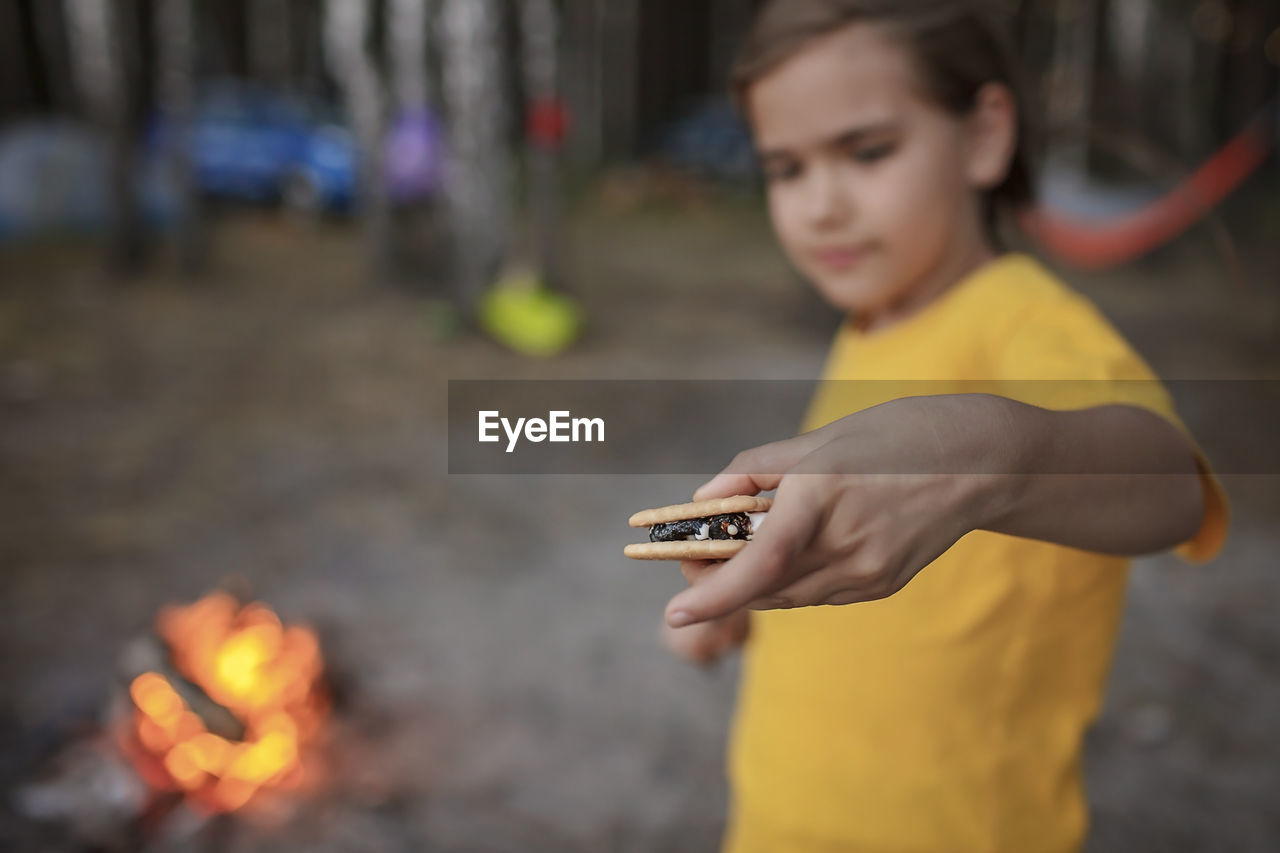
(687, 528)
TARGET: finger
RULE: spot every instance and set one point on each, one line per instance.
(727, 484)
(692, 645)
(739, 626)
(695, 570)
(702, 643)
(756, 571)
(828, 585)
(759, 469)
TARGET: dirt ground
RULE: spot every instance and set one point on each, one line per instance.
(282, 422)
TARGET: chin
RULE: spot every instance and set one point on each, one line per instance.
(852, 296)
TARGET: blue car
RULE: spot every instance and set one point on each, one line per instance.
(254, 144)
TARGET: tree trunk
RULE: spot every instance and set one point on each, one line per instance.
(1074, 53)
(540, 33)
(477, 185)
(1130, 25)
(99, 33)
(346, 27)
(583, 84)
(175, 36)
(307, 61)
(620, 77)
(51, 31)
(407, 40)
(271, 41)
(729, 22)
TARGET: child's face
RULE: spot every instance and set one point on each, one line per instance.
(872, 187)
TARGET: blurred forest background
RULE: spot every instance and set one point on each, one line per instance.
(244, 245)
(512, 95)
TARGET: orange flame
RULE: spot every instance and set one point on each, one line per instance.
(243, 658)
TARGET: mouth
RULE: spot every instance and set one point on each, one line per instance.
(840, 258)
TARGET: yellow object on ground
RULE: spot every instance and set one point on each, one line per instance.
(523, 314)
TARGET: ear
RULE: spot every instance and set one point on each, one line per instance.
(993, 136)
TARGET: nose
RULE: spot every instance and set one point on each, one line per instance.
(825, 201)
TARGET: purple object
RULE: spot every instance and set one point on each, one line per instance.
(415, 153)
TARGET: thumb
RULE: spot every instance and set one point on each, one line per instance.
(760, 469)
(761, 568)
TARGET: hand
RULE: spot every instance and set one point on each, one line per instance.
(862, 505)
(707, 642)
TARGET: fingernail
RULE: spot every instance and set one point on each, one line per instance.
(680, 618)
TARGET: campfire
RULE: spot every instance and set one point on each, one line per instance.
(225, 727)
(240, 697)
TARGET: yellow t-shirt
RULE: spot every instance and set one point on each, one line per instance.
(949, 717)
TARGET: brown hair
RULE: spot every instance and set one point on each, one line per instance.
(956, 47)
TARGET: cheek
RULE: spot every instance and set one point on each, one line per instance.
(915, 198)
(916, 203)
(785, 217)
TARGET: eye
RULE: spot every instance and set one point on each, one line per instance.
(872, 153)
(776, 171)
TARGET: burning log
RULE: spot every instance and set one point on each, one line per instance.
(217, 711)
(147, 654)
(227, 711)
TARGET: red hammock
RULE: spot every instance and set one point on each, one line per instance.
(1093, 245)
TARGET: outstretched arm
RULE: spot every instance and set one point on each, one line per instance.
(866, 502)
(1116, 479)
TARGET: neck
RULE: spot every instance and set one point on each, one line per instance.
(955, 268)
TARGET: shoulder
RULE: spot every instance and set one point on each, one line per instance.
(1043, 328)
(1017, 287)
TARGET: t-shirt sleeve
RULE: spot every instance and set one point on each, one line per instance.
(1064, 354)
